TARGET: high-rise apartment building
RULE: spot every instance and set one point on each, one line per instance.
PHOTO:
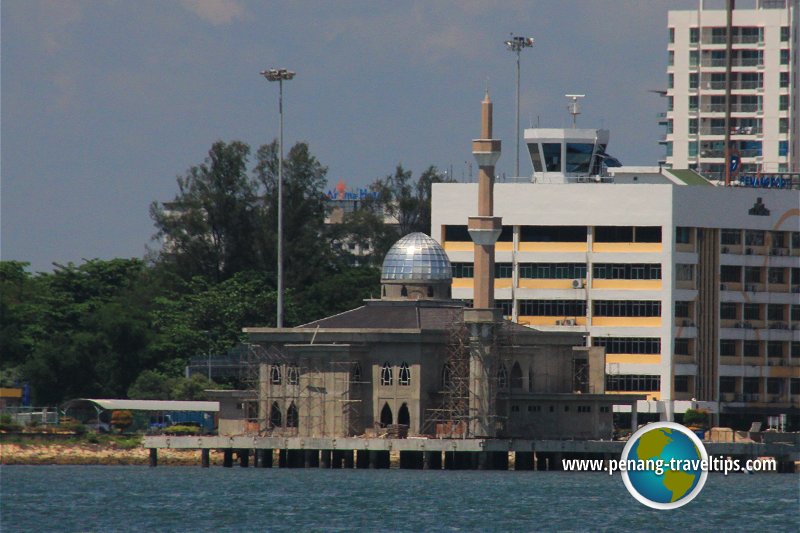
(764, 129)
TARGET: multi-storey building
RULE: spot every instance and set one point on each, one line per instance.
(694, 290)
(763, 88)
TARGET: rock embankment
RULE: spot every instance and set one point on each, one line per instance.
(95, 454)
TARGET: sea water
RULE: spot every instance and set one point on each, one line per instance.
(135, 498)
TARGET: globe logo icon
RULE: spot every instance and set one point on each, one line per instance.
(664, 465)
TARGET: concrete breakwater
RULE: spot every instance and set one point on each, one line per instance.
(46, 453)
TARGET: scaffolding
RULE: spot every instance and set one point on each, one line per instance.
(313, 397)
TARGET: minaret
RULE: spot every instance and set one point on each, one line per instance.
(485, 228)
(483, 318)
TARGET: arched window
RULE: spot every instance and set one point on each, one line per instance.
(447, 376)
(404, 291)
(292, 418)
(403, 416)
(275, 415)
(430, 291)
(355, 375)
(384, 290)
(293, 375)
(502, 377)
(386, 415)
(386, 374)
(275, 374)
(404, 377)
(530, 379)
(516, 376)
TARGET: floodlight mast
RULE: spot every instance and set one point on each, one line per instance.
(279, 75)
(516, 44)
(574, 107)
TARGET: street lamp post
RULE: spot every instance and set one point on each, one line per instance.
(516, 44)
(279, 75)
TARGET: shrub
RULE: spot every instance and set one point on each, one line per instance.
(121, 419)
(182, 430)
(695, 417)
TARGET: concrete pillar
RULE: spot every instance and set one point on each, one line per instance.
(227, 458)
(555, 463)
(484, 461)
(634, 418)
(523, 461)
(244, 458)
(325, 458)
(541, 461)
(153, 457)
(255, 458)
(373, 459)
(205, 457)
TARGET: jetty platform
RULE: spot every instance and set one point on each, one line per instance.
(433, 454)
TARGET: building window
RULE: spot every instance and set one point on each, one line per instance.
(684, 272)
(692, 126)
(727, 311)
(631, 382)
(693, 148)
(727, 347)
(693, 103)
(694, 58)
(683, 309)
(670, 80)
(694, 80)
(784, 34)
(566, 308)
(672, 35)
(683, 235)
(694, 35)
(774, 348)
(292, 416)
(795, 314)
(681, 383)
(502, 377)
(552, 233)
(795, 384)
(627, 308)
(275, 415)
(386, 374)
(783, 148)
(751, 349)
(730, 274)
(355, 375)
(404, 376)
(647, 271)
(552, 156)
(752, 312)
(750, 385)
(516, 376)
(447, 376)
(503, 270)
(605, 409)
(727, 384)
(731, 237)
(752, 274)
(784, 56)
(387, 419)
(776, 275)
(275, 374)
(682, 347)
(629, 345)
(293, 375)
(754, 237)
(774, 385)
(552, 270)
(783, 125)
(671, 58)
(584, 408)
(784, 79)
(530, 379)
(783, 102)
(463, 270)
(670, 103)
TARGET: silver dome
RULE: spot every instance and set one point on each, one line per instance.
(416, 257)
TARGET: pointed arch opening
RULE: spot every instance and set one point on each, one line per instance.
(502, 377)
(275, 374)
(516, 376)
(292, 416)
(275, 418)
(386, 415)
(404, 291)
(387, 377)
(447, 376)
(293, 375)
(530, 379)
(404, 376)
(403, 416)
(355, 375)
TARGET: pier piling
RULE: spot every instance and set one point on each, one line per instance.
(153, 457)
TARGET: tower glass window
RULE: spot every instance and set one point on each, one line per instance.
(386, 374)
(404, 377)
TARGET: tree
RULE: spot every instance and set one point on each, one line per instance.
(121, 420)
(209, 229)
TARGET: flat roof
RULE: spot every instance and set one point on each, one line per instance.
(146, 405)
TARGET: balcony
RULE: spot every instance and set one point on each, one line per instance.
(737, 62)
(741, 130)
(736, 85)
(735, 108)
(721, 153)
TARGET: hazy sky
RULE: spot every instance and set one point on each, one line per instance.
(105, 102)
